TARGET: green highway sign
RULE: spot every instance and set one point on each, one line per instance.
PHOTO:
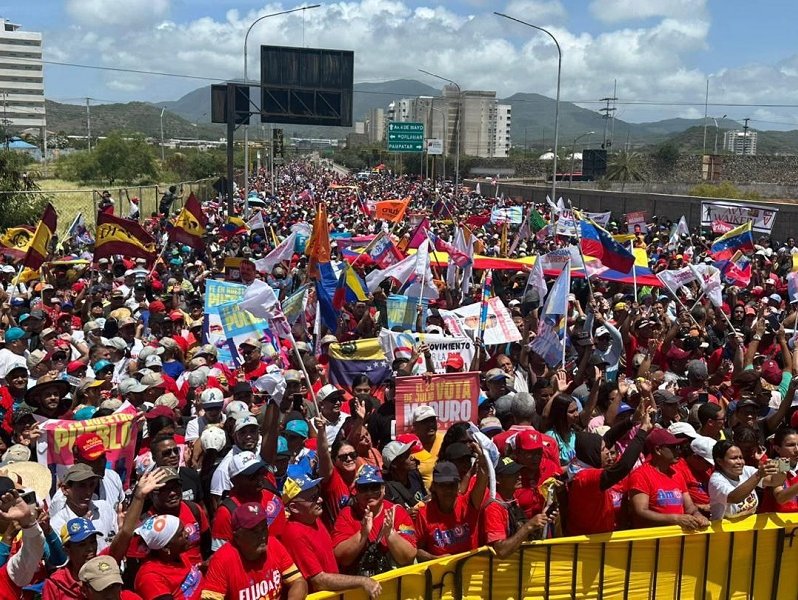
(405, 137)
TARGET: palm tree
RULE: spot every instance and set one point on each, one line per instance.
(626, 166)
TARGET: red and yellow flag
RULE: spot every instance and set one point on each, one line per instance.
(39, 248)
(16, 240)
(116, 235)
(189, 225)
(391, 210)
(318, 247)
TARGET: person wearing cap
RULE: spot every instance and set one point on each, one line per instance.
(102, 579)
(12, 394)
(658, 494)
(90, 450)
(309, 543)
(21, 567)
(48, 397)
(497, 384)
(254, 564)
(330, 399)
(528, 449)
(370, 518)
(211, 401)
(252, 482)
(166, 452)
(246, 437)
(425, 427)
(607, 339)
(79, 539)
(166, 570)
(14, 350)
(669, 408)
(78, 485)
(502, 524)
(252, 367)
(733, 484)
(447, 524)
(403, 482)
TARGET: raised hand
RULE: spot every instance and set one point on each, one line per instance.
(14, 508)
(367, 523)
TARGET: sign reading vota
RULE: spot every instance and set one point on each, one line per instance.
(405, 137)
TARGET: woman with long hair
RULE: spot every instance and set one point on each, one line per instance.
(338, 469)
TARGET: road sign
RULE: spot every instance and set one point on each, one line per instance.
(435, 146)
(405, 137)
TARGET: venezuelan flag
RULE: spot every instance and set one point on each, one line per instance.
(598, 243)
(363, 356)
(350, 288)
(740, 238)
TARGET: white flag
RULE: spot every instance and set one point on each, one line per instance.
(256, 222)
(400, 271)
(536, 279)
(676, 278)
(259, 299)
(708, 277)
(283, 252)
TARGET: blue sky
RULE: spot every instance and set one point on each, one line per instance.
(658, 50)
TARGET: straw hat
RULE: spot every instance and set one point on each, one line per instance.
(32, 476)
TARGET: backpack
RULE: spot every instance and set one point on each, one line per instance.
(515, 515)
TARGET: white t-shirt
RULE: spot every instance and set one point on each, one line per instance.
(720, 486)
(103, 519)
(196, 426)
(110, 490)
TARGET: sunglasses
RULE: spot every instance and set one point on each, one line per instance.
(171, 451)
(347, 457)
(369, 488)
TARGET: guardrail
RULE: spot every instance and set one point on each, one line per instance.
(753, 557)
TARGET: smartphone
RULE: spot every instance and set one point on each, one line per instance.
(30, 497)
(783, 464)
(551, 509)
(703, 397)
(297, 402)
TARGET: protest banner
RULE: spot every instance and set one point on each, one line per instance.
(738, 214)
(566, 223)
(636, 222)
(218, 293)
(402, 311)
(118, 432)
(508, 214)
(238, 325)
(454, 397)
(499, 329)
(600, 218)
(721, 227)
(401, 345)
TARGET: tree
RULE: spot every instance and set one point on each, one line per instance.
(15, 207)
(125, 159)
(626, 166)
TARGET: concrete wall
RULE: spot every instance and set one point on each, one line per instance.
(664, 206)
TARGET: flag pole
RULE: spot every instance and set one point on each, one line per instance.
(298, 357)
(676, 297)
(634, 268)
(577, 220)
(568, 266)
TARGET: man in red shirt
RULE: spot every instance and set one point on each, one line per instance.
(102, 580)
(250, 351)
(254, 565)
(309, 543)
(503, 525)
(528, 451)
(79, 538)
(248, 474)
(658, 493)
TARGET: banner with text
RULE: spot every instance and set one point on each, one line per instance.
(500, 328)
(454, 397)
(738, 214)
(218, 293)
(442, 347)
(239, 325)
(118, 432)
(636, 222)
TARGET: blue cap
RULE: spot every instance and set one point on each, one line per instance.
(482, 399)
(296, 483)
(176, 261)
(66, 305)
(368, 474)
(100, 365)
(85, 413)
(23, 317)
(297, 427)
(17, 301)
(77, 530)
(624, 407)
(282, 445)
(15, 333)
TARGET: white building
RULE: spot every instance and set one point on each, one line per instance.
(21, 77)
(375, 125)
(503, 122)
(740, 142)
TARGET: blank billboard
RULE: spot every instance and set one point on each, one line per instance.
(306, 86)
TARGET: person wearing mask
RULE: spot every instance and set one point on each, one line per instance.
(253, 564)
(166, 572)
(309, 542)
(90, 450)
(732, 487)
(447, 524)
(403, 483)
(503, 525)
(425, 427)
(372, 523)
(658, 494)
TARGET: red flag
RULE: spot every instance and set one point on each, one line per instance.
(189, 226)
(116, 235)
(39, 247)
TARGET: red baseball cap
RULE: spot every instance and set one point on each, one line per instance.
(160, 411)
(248, 516)
(771, 372)
(455, 361)
(89, 446)
(75, 365)
(156, 306)
(410, 438)
(661, 437)
(176, 315)
(529, 440)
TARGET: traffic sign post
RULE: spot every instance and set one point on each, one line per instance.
(405, 137)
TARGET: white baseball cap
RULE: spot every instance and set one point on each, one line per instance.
(245, 463)
(702, 446)
(423, 412)
(212, 397)
(213, 438)
(245, 421)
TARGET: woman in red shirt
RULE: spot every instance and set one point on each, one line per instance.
(658, 493)
(338, 470)
(783, 497)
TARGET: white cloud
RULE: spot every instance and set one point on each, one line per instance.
(614, 11)
(539, 12)
(126, 13)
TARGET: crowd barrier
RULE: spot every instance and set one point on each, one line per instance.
(753, 557)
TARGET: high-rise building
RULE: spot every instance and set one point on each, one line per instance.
(21, 78)
(740, 142)
(375, 125)
(503, 124)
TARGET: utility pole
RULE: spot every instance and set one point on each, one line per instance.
(88, 122)
(608, 113)
(745, 132)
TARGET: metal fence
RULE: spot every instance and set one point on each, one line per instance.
(71, 203)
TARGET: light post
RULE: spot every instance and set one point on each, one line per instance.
(715, 119)
(246, 82)
(557, 103)
(458, 129)
(443, 118)
(163, 110)
(573, 151)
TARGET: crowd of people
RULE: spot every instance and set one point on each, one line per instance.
(663, 411)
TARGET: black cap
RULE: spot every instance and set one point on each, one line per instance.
(445, 472)
(242, 387)
(507, 466)
(457, 450)
(665, 397)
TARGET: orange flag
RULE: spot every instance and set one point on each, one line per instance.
(391, 210)
(318, 247)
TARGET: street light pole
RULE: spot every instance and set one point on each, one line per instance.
(457, 130)
(246, 82)
(162, 152)
(557, 102)
(716, 131)
(573, 151)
